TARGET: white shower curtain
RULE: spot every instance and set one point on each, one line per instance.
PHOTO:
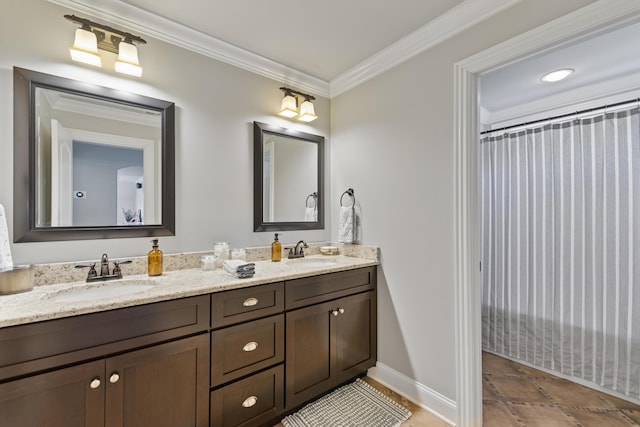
(561, 248)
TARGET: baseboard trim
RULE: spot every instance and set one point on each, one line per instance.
(430, 400)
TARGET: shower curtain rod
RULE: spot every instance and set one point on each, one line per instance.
(562, 116)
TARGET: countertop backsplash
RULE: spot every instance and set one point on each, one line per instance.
(48, 274)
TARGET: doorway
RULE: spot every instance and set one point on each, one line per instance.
(595, 18)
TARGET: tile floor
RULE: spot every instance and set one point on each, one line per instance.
(515, 395)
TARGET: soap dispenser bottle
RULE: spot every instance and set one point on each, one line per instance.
(276, 250)
(154, 265)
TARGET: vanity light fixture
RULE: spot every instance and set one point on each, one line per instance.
(93, 36)
(557, 75)
(289, 107)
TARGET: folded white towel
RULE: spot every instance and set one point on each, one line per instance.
(347, 225)
(5, 247)
(234, 266)
(310, 214)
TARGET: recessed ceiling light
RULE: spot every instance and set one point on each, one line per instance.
(557, 75)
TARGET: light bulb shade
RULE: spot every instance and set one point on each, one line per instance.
(289, 106)
(307, 112)
(127, 62)
(85, 48)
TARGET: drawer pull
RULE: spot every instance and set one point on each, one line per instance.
(335, 312)
(250, 401)
(250, 346)
(95, 383)
(114, 378)
(341, 310)
(250, 302)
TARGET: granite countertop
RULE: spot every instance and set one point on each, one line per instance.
(39, 304)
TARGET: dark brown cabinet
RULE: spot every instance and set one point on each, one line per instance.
(164, 385)
(240, 357)
(329, 343)
(136, 366)
(69, 397)
(160, 386)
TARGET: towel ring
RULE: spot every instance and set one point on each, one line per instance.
(315, 200)
(350, 192)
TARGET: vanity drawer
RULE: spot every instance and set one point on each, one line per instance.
(239, 350)
(241, 305)
(316, 289)
(249, 402)
(52, 343)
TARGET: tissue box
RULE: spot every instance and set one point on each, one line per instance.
(18, 278)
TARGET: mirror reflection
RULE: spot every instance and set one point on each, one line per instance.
(288, 179)
(290, 184)
(97, 162)
(90, 162)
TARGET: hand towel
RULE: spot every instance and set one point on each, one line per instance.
(237, 267)
(5, 248)
(310, 214)
(347, 225)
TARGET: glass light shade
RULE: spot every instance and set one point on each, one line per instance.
(85, 48)
(289, 106)
(307, 112)
(127, 62)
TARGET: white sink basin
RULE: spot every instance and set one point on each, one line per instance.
(311, 262)
(103, 290)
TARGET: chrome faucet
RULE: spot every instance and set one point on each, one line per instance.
(298, 250)
(92, 276)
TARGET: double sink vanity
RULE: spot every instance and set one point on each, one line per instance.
(188, 348)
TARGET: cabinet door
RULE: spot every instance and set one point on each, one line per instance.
(309, 356)
(356, 338)
(66, 398)
(163, 385)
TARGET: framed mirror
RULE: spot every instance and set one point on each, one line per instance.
(288, 191)
(90, 162)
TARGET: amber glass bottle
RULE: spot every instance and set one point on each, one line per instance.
(154, 266)
(276, 250)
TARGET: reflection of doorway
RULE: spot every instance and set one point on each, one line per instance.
(96, 172)
(596, 16)
(69, 195)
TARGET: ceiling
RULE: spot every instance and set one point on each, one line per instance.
(327, 47)
(324, 47)
(320, 38)
(604, 65)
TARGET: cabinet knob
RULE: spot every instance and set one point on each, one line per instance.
(95, 383)
(250, 302)
(341, 310)
(114, 378)
(250, 401)
(335, 312)
(250, 346)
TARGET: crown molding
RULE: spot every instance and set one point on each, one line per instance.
(582, 22)
(449, 24)
(456, 20)
(117, 12)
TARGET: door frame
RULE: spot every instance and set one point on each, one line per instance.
(584, 22)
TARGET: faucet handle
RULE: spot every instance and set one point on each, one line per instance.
(92, 270)
(116, 267)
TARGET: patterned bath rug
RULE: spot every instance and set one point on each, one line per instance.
(353, 405)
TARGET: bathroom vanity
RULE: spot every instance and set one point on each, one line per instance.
(224, 352)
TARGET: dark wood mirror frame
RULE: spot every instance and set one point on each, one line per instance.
(25, 83)
(259, 224)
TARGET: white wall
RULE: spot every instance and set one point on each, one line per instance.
(216, 105)
(392, 141)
